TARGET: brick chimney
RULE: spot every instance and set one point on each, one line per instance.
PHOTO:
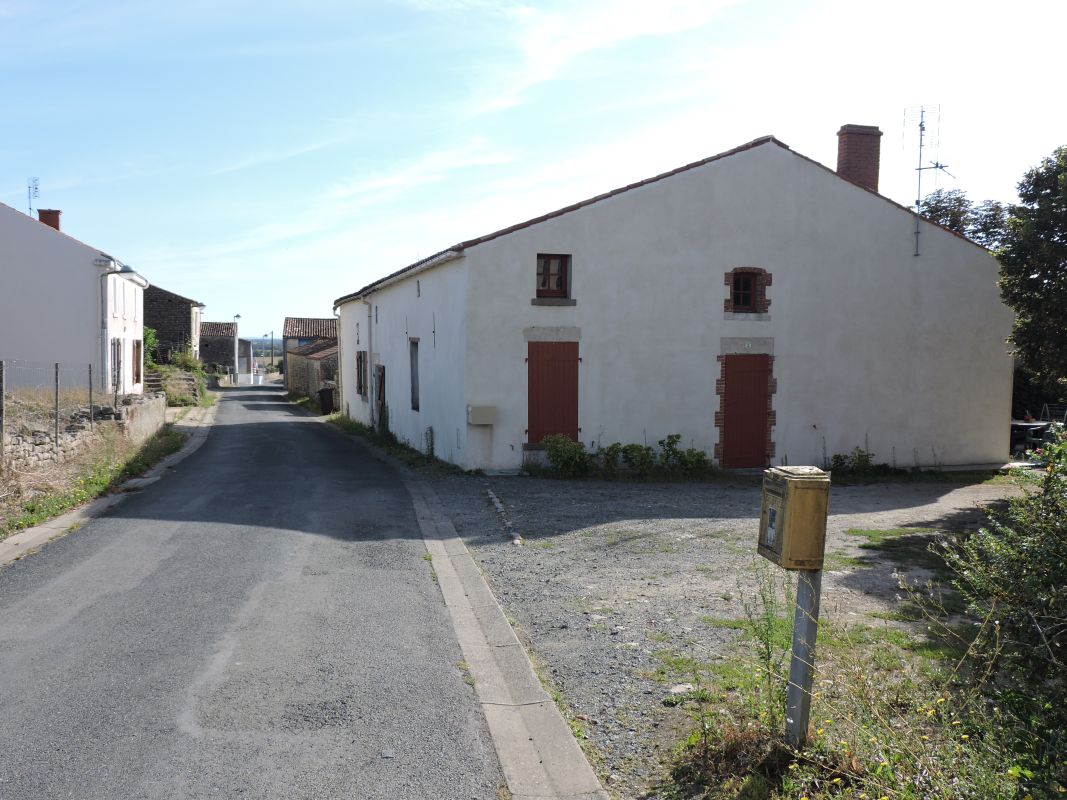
(858, 153)
(49, 216)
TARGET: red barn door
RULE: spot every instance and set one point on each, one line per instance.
(746, 408)
(553, 390)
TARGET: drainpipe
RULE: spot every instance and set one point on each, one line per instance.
(339, 389)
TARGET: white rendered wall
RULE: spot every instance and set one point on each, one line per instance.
(125, 321)
(873, 346)
(49, 294)
(431, 307)
(50, 304)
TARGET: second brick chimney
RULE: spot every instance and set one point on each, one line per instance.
(49, 216)
(858, 152)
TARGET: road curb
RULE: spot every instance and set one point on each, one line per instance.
(30, 540)
(537, 751)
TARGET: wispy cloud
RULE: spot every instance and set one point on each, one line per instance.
(276, 155)
(550, 40)
(430, 168)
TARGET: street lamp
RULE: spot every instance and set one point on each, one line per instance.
(236, 350)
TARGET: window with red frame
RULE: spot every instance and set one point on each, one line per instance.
(553, 275)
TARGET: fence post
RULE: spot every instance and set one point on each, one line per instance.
(3, 392)
(91, 415)
(55, 438)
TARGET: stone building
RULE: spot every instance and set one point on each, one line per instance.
(176, 321)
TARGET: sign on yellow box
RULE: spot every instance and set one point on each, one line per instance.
(792, 528)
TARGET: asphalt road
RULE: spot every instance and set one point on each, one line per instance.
(260, 623)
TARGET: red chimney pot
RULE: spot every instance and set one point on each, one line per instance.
(49, 216)
(858, 154)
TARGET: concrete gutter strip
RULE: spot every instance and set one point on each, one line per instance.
(538, 753)
(197, 424)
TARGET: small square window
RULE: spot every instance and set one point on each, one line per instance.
(744, 291)
(553, 275)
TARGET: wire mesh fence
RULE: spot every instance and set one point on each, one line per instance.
(39, 402)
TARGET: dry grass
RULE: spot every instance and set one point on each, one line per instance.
(32, 494)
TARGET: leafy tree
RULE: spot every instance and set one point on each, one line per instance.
(949, 208)
(985, 224)
(151, 346)
(989, 224)
(1033, 274)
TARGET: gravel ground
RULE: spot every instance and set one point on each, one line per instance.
(612, 573)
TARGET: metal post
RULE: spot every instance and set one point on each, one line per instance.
(3, 393)
(91, 415)
(802, 665)
(55, 438)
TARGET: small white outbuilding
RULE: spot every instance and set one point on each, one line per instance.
(762, 306)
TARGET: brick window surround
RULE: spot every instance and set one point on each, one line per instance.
(720, 415)
(760, 280)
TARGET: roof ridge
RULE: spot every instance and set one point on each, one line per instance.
(459, 248)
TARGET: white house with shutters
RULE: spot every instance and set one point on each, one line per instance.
(765, 307)
(64, 301)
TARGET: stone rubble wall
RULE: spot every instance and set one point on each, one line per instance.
(137, 418)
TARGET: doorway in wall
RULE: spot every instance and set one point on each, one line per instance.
(379, 396)
(552, 373)
(746, 410)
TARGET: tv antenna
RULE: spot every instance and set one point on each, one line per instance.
(922, 112)
(33, 191)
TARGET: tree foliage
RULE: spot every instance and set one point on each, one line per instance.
(1013, 576)
(1033, 275)
(151, 346)
(985, 223)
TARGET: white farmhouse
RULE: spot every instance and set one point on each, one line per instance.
(63, 301)
(761, 305)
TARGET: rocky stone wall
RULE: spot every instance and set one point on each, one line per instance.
(137, 418)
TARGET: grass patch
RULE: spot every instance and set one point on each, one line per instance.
(305, 402)
(389, 443)
(909, 547)
(889, 719)
(97, 478)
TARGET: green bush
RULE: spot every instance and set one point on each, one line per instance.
(570, 459)
(693, 462)
(187, 361)
(1013, 576)
(858, 462)
(639, 459)
(151, 346)
(608, 460)
(669, 455)
(567, 457)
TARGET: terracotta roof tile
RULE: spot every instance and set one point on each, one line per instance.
(310, 328)
(209, 329)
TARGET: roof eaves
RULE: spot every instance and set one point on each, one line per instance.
(444, 256)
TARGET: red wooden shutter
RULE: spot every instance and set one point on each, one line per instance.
(553, 390)
(746, 411)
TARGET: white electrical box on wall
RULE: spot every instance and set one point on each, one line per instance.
(481, 415)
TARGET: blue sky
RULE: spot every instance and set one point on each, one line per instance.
(265, 158)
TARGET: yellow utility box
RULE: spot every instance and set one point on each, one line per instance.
(792, 526)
